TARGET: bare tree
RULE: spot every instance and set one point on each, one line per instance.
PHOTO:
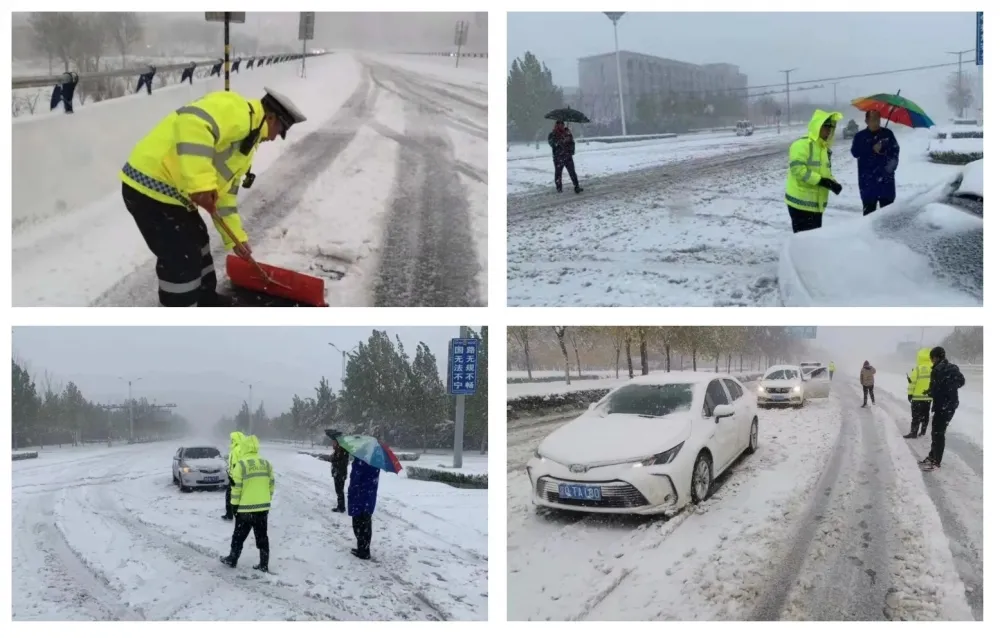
(522, 335)
(628, 352)
(617, 334)
(960, 91)
(55, 33)
(125, 29)
(643, 352)
(560, 332)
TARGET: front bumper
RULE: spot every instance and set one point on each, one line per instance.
(197, 478)
(623, 489)
(780, 399)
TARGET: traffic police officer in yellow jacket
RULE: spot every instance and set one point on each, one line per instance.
(253, 488)
(832, 368)
(198, 156)
(809, 172)
(918, 382)
(235, 438)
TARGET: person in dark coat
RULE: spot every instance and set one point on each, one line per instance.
(878, 156)
(563, 150)
(338, 469)
(361, 496)
(946, 379)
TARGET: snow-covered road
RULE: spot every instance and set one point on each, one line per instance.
(702, 226)
(382, 194)
(102, 534)
(830, 520)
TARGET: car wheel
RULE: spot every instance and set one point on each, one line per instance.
(701, 478)
(174, 477)
(752, 445)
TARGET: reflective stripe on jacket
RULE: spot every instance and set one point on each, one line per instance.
(253, 480)
(196, 149)
(808, 162)
(919, 379)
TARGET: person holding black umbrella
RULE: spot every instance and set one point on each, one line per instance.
(563, 150)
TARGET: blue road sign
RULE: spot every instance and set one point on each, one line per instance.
(979, 38)
(463, 360)
(801, 332)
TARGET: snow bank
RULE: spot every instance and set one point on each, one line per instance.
(65, 162)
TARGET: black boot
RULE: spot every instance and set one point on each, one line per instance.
(577, 189)
(911, 435)
(227, 517)
(261, 567)
(360, 554)
(558, 188)
(228, 560)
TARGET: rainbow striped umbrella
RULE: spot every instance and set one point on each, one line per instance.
(371, 451)
(895, 108)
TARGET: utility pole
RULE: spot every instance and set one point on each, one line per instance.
(788, 96)
(834, 93)
(131, 422)
(249, 407)
(615, 16)
(343, 360)
(961, 94)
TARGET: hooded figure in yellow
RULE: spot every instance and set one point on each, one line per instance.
(810, 176)
(235, 438)
(918, 382)
(198, 156)
(253, 488)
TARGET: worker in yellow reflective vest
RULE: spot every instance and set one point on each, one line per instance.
(235, 438)
(918, 382)
(198, 156)
(832, 368)
(253, 488)
(810, 177)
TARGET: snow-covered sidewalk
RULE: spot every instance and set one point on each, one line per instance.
(102, 533)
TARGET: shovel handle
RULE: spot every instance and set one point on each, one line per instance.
(225, 227)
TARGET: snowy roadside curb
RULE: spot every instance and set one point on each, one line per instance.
(21, 456)
(924, 570)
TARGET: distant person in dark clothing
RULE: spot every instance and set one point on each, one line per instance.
(878, 156)
(868, 383)
(361, 497)
(946, 379)
(563, 150)
(338, 469)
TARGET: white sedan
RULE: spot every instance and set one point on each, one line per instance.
(650, 446)
(199, 467)
(923, 251)
(781, 385)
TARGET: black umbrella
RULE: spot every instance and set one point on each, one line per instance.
(567, 115)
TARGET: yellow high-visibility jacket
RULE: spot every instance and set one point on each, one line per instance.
(235, 439)
(808, 162)
(253, 480)
(919, 379)
(207, 145)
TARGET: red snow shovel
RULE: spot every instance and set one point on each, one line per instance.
(278, 282)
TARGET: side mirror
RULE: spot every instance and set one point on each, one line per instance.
(723, 411)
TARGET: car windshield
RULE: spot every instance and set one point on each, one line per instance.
(650, 400)
(201, 453)
(781, 374)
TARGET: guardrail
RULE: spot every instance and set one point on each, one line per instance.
(449, 54)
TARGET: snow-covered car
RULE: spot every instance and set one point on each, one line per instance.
(781, 385)
(744, 128)
(926, 250)
(850, 130)
(201, 466)
(815, 380)
(650, 446)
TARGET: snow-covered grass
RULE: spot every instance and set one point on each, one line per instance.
(701, 232)
(708, 563)
(442, 461)
(102, 534)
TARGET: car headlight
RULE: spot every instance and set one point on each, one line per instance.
(662, 458)
(185, 469)
(797, 389)
(760, 389)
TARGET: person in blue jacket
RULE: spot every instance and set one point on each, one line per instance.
(361, 496)
(878, 156)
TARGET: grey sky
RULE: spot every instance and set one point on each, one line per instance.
(819, 45)
(850, 347)
(201, 369)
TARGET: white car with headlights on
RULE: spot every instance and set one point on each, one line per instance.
(650, 446)
(199, 467)
(781, 385)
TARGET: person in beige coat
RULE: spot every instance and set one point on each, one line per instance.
(868, 383)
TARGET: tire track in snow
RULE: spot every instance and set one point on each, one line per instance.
(274, 195)
(428, 257)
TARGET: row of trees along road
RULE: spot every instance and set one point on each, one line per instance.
(386, 394)
(46, 413)
(722, 348)
(965, 344)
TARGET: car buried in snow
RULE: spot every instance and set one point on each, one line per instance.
(926, 250)
(650, 446)
(199, 467)
(781, 385)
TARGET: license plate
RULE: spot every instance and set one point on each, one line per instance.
(212, 479)
(779, 397)
(580, 492)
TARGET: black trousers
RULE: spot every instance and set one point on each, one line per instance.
(803, 220)
(244, 523)
(338, 487)
(831, 376)
(868, 390)
(920, 414)
(363, 532)
(567, 163)
(229, 493)
(869, 205)
(179, 239)
(939, 424)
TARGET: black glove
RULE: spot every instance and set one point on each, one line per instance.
(248, 180)
(909, 397)
(829, 184)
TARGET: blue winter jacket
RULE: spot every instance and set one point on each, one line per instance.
(363, 490)
(876, 171)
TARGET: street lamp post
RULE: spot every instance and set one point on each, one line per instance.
(788, 96)
(131, 421)
(615, 16)
(249, 407)
(961, 95)
(343, 360)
